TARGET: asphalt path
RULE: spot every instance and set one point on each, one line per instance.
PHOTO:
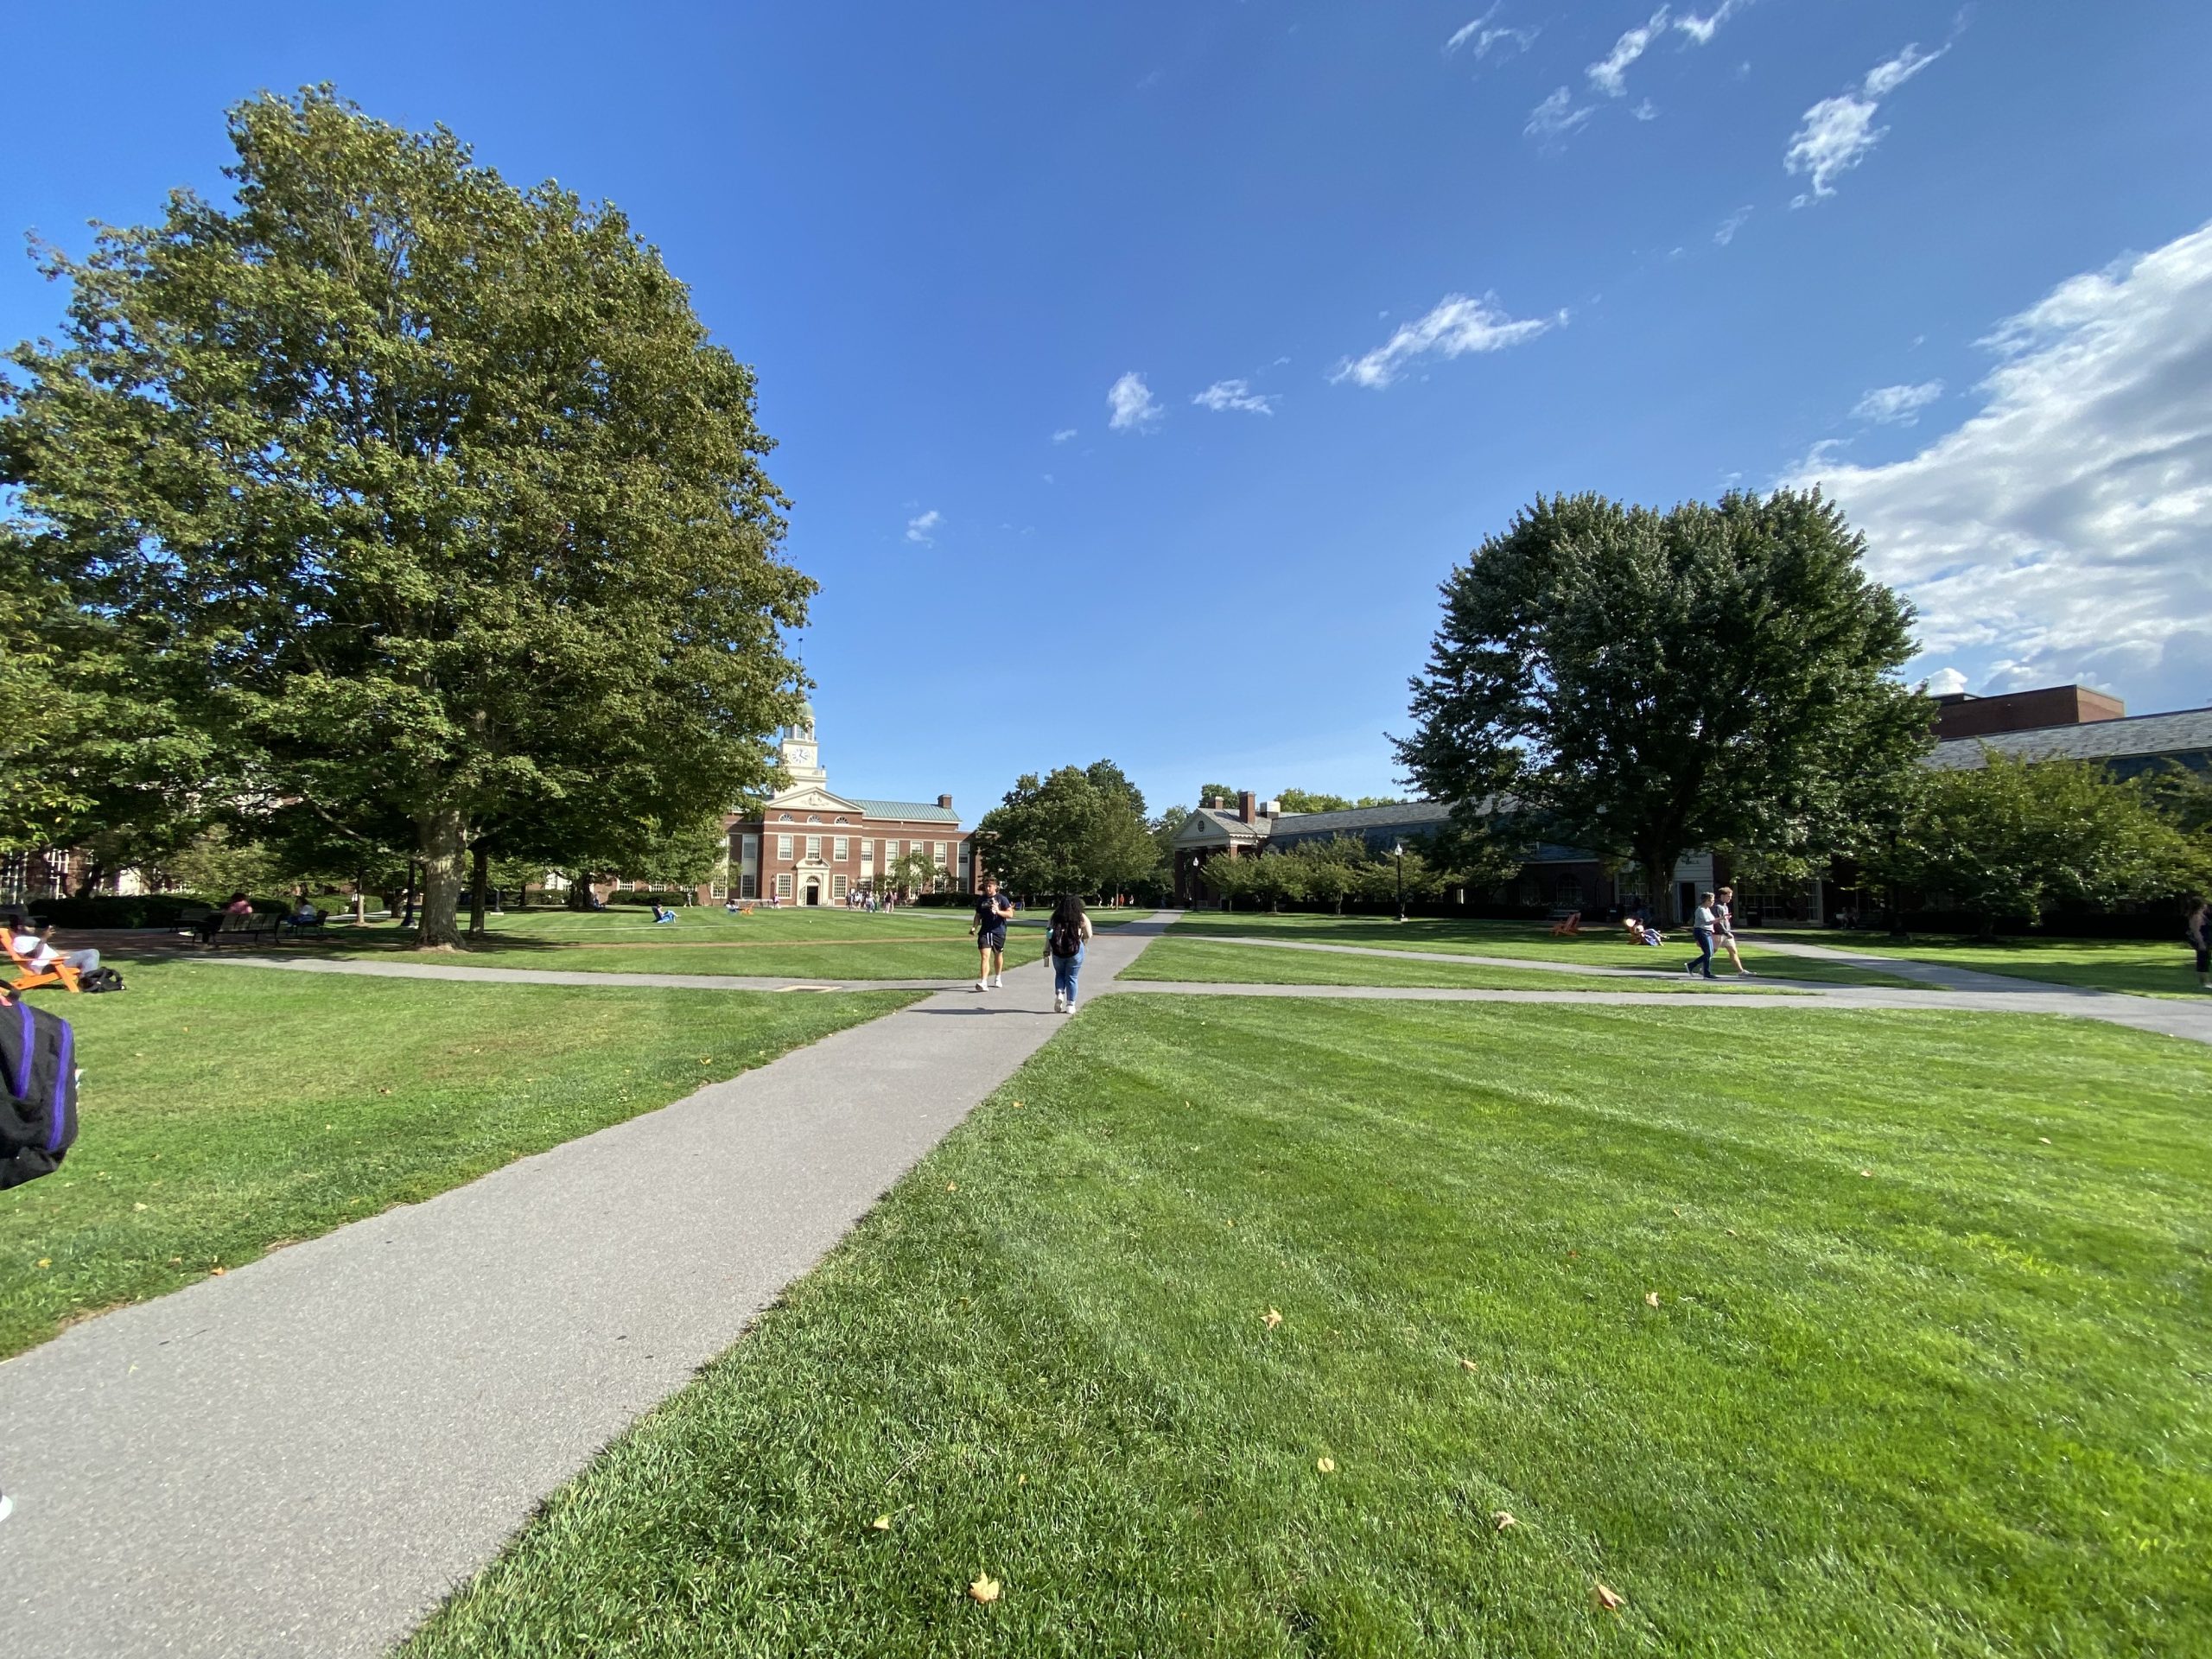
(299, 1459)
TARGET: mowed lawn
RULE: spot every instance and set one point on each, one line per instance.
(223, 1110)
(1601, 947)
(1226, 962)
(2145, 967)
(827, 942)
(1878, 1334)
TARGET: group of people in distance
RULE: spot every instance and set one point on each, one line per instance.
(1712, 925)
(1065, 935)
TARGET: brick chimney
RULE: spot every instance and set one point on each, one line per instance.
(946, 801)
(1215, 803)
(1247, 805)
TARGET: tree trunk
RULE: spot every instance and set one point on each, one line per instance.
(360, 896)
(407, 898)
(445, 852)
(480, 866)
(1659, 889)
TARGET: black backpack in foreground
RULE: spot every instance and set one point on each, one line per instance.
(38, 1104)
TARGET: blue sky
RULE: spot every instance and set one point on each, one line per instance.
(1952, 261)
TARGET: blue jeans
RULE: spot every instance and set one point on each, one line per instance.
(1064, 969)
(1704, 962)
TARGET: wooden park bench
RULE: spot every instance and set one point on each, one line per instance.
(245, 929)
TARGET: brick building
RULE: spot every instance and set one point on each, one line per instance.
(809, 845)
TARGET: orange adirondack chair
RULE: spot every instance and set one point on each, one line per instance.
(28, 978)
(1568, 928)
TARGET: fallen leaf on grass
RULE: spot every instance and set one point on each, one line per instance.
(2044, 1139)
(985, 1589)
(881, 1523)
(1271, 1318)
(137, 1206)
(1651, 1299)
(1326, 1465)
(1865, 1174)
(952, 1186)
(45, 1261)
(1731, 1231)
(1502, 1520)
(1604, 1600)
(219, 1272)
(1466, 1364)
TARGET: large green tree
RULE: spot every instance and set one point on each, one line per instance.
(1642, 683)
(2013, 838)
(1079, 829)
(437, 486)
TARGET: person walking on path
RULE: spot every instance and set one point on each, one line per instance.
(1701, 930)
(1065, 936)
(1724, 928)
(991, 913)
(2198, 929)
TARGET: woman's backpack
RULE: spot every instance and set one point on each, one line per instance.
(101, 979)
(1065, 938)
(38, 1103)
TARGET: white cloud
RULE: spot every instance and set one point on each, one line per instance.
(918, 529)
(1945, 682)
(1234, 394)
(1609, 73)
(1730, 225)
(1470, 31)
(1837, 132)
(1554, 119)
(1063, 434)
(1896, 405)
(1645, 110)
(1455, 325)
(1132, 403)
(1702, 29)
(2061, 532)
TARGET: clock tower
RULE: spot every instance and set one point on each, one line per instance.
(801, 756)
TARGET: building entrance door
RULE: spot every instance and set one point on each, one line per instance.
(814, 893)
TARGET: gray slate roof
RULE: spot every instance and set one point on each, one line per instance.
(1413, 814)
(2186, 731)
(907, 811)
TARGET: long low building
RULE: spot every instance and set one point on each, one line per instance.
(2060, 723)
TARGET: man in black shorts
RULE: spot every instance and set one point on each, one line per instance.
(991, 913)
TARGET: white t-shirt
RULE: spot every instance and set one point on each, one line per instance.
(1704, 918)
(32, 948)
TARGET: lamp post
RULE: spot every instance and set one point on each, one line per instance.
(1398, 852)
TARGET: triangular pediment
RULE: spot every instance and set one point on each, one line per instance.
(809, 797)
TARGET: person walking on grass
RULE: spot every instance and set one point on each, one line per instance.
(2198, 931)
(991, 914)
(1065, 936)
(1701, 929)
(1724, 928)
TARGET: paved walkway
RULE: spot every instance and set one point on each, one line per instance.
(1538, 964)
(301, 1457)
(2190, 1020)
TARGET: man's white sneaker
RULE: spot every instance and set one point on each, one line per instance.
(6, 1506)
(998, 983)
(980, 986)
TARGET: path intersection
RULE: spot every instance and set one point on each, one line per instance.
(305, 1456)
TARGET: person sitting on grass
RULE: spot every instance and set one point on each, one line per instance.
(662, 913)
(730, 907)
(1640, 933)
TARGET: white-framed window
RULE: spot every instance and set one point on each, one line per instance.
(814, 818)
(868, 855)
(891, 850)
(786, 819)
(814, 846)
(783, 846)
(964, 864)
(837, 885)
(839, 847)
(715, 890)
(783, 884)
(840, 820)
(941, 858)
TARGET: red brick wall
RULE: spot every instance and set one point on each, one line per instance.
(2023, 711)
(879, 831)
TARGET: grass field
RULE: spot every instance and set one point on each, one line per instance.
(830, 943)
(2146, 967)
(1601, 948)
(1212, 962)
(224, 1110)
(1885, 1335)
